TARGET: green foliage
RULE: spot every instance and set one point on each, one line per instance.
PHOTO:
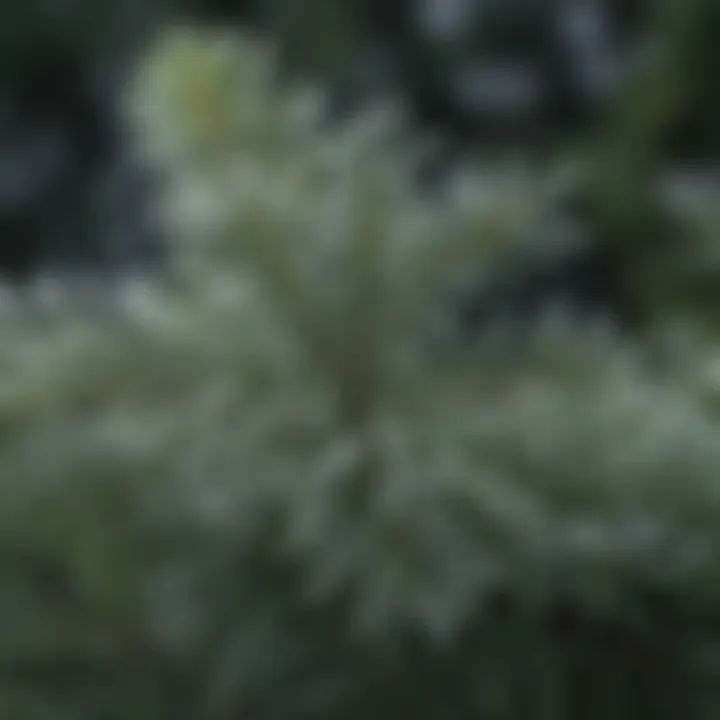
(258, 495)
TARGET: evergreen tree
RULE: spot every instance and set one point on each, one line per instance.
(261, 492)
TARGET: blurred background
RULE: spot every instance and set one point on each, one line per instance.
(296, 508)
